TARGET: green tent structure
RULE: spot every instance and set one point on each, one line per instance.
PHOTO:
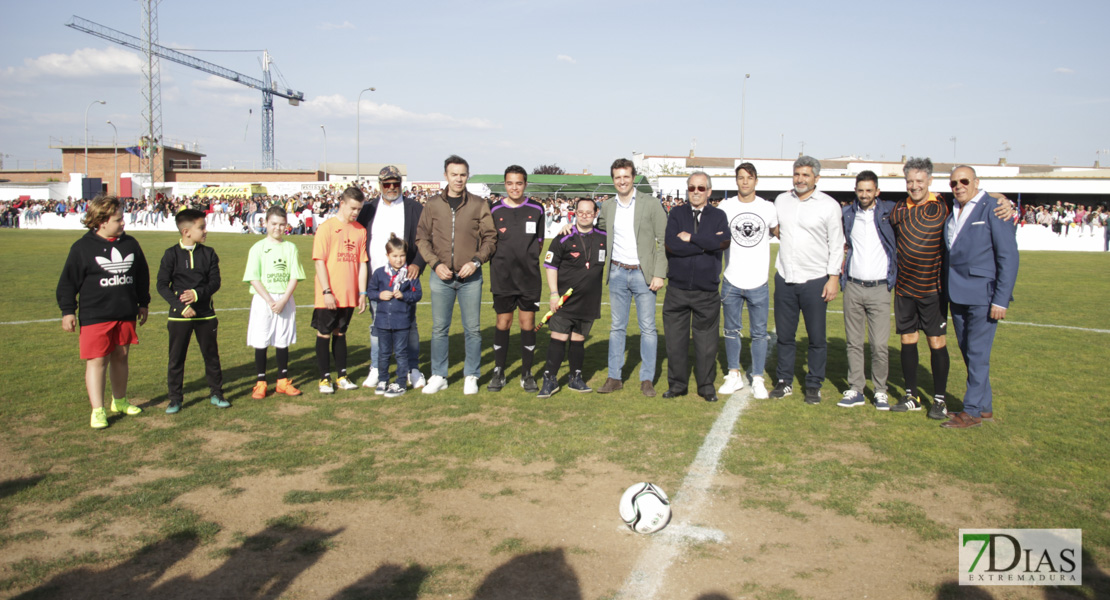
(568, 186)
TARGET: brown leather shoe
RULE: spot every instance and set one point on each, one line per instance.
(987, 416)
(647, 389)
(962, 420)
(610, 385)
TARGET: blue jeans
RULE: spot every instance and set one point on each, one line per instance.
(759, 305)
(413, 345)
(624, 284)
(390, 340)
(469, 294)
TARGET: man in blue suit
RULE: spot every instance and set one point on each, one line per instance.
(982, 270)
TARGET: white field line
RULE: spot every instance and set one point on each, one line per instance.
(647, 575)
(1048, 325)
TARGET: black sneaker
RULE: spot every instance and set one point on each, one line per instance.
(497, 381)
(908, 403)
(550, 385)
(577, 384)
(782, 389)
(938, 411)
(528, 382)
(813, 396)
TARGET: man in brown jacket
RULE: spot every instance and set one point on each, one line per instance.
(455, 235)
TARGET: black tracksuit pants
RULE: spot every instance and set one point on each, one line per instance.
(180, 334)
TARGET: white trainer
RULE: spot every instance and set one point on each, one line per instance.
(416, 379)
(435, 384)
(734, 382)
(759, 391)
(371, 379)
(470, 385)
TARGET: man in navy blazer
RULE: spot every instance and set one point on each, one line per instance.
(982, 270)
(404, 213)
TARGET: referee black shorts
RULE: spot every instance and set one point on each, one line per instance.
(559, 323)
(326, 321)
(507, 303)
(928, 314)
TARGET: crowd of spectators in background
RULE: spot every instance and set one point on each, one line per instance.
(306, 210)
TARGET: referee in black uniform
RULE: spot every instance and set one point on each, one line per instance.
(576, 260)
(515, 275)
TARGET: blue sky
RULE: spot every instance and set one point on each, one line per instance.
(577, 83)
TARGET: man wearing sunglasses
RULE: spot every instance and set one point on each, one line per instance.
(392, 214)
(696, 237)
(982, 271)
(919, 303)
(807, 275)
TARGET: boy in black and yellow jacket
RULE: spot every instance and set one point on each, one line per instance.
(188, 278)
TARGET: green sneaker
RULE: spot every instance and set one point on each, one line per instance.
(123, 406)
(220, 402)
(173, 408)
(99, 418)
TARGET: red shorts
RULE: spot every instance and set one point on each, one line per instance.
(101, 339)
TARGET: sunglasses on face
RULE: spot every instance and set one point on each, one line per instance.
(696, 188)
(964, 182)
(392, 185)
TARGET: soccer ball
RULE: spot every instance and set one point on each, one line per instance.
(645, 508)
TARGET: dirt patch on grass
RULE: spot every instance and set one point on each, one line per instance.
(287, 409)
(521, 534)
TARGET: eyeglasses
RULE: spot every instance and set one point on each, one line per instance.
(696, 188)
(391, 184)
(584, 213)
(964, 182)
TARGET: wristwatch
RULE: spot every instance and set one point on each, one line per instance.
(327, 291)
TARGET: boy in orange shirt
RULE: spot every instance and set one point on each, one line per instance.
(339, 255)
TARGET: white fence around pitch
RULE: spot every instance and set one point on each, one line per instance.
(1029, 237)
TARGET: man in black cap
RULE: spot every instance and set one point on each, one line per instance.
(392, 214)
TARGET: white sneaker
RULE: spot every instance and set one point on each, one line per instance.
(416, 379)
(758, 389)
(344, 383)
(371, 379)
(733, 381)
(435, 384)
(470, 385)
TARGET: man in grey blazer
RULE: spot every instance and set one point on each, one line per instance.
(636, 265)
(982, 271)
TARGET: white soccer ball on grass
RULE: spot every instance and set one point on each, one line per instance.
(645, 508)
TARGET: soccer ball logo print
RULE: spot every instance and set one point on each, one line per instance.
(117, 264)
(747, 229)
(645, 508)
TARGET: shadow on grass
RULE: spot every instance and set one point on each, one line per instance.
(14, 486)
(266, 564)
(262, 566)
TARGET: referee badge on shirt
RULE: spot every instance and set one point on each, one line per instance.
(530, 227)
(550, 255)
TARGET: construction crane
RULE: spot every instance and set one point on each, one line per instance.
(265, 84)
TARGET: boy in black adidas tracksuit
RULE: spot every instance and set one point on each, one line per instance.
(188, 278)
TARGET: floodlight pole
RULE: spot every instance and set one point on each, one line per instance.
(87, 133)
(358, 125)
(115, 158)
(743, 105)
(325, 152)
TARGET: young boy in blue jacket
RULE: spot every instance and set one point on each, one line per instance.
(397, 297)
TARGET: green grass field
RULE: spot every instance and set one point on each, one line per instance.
(74, 501)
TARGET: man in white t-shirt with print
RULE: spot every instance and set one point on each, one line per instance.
(751, 221)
